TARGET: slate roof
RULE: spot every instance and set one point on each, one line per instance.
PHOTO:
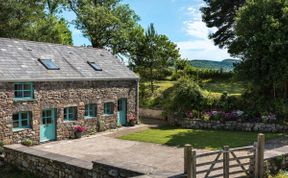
(19, 62)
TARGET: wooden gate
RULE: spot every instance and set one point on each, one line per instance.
(237, 162)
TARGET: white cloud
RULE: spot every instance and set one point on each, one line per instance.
(202, 49)
(199, 46)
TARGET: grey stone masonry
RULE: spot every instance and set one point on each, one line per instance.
(228, 125)
(63, 94)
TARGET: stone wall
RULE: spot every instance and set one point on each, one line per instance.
(228, 125)
(64, 94)
(50, 165)
(151, 113)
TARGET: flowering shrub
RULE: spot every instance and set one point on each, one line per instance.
(268, 117)
(131, 118)
(78, 128)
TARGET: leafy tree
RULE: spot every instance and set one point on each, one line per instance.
(261, 41)
(27, 19)
(49, 29)
(152, 54)
(106, 23)
(221, 14)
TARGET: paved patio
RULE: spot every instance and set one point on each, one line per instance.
(152, 158)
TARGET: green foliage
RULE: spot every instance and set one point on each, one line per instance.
(261, 41)
(107, 23)
(153, 54)
(227, 65)
(280, 174)
(50, 29)
(185, 96)
(27, 142)
(221, 14)
(27, 19)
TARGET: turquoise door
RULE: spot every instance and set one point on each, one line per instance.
(122, 111)
(47, 126)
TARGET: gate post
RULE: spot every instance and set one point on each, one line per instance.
(259, 162)
(187, 159)
(226, 162)
(193, 164)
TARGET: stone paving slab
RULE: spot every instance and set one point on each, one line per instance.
(153, 159)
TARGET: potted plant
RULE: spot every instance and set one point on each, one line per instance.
(78, 130)
(131, 119)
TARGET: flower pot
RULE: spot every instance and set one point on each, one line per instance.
(77, 134)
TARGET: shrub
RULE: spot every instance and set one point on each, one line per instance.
(78, 128)
(185, 96)
(27, 142)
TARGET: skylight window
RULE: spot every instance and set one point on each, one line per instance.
(94, 66)
(49, 64)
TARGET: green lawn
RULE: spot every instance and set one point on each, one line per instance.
(202, 139)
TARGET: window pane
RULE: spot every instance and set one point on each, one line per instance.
(43, 121)
(18, 87)
(15, 124)
(18, 94)
(27, 94)
(27, 86)
(108, 108)
(94, 66)
(48, 121)
(15, 117)
(24, 115)
(24, 123)
(49, 64)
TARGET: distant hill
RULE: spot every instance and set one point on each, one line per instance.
(226, 64)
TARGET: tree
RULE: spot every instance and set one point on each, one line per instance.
(221, 14)
(261, 42)
(27, 19)
(106, 23)
(152, 54)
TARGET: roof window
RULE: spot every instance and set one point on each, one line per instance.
(49, 64)
(94, 66)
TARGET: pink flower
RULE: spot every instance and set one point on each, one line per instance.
(78, 128)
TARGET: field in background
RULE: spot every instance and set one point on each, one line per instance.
(211, 88)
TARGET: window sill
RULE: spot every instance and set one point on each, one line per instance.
(89, 117)
(19, 129)
(23, 99)
(107, 115)
(69, 121)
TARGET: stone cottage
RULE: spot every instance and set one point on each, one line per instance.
(46, 89)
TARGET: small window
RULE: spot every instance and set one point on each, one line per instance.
(23, 90)
(90, 110)
(49, 64)
(22, 120)
(108, 108)
(70, 113)
(94, 66)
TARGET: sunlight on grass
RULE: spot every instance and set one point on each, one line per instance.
(201, 139)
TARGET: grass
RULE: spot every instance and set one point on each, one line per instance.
(201, 139)
(217, 87)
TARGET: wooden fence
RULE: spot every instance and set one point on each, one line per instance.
(245, 161)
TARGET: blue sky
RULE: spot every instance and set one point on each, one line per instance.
(180, 20)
